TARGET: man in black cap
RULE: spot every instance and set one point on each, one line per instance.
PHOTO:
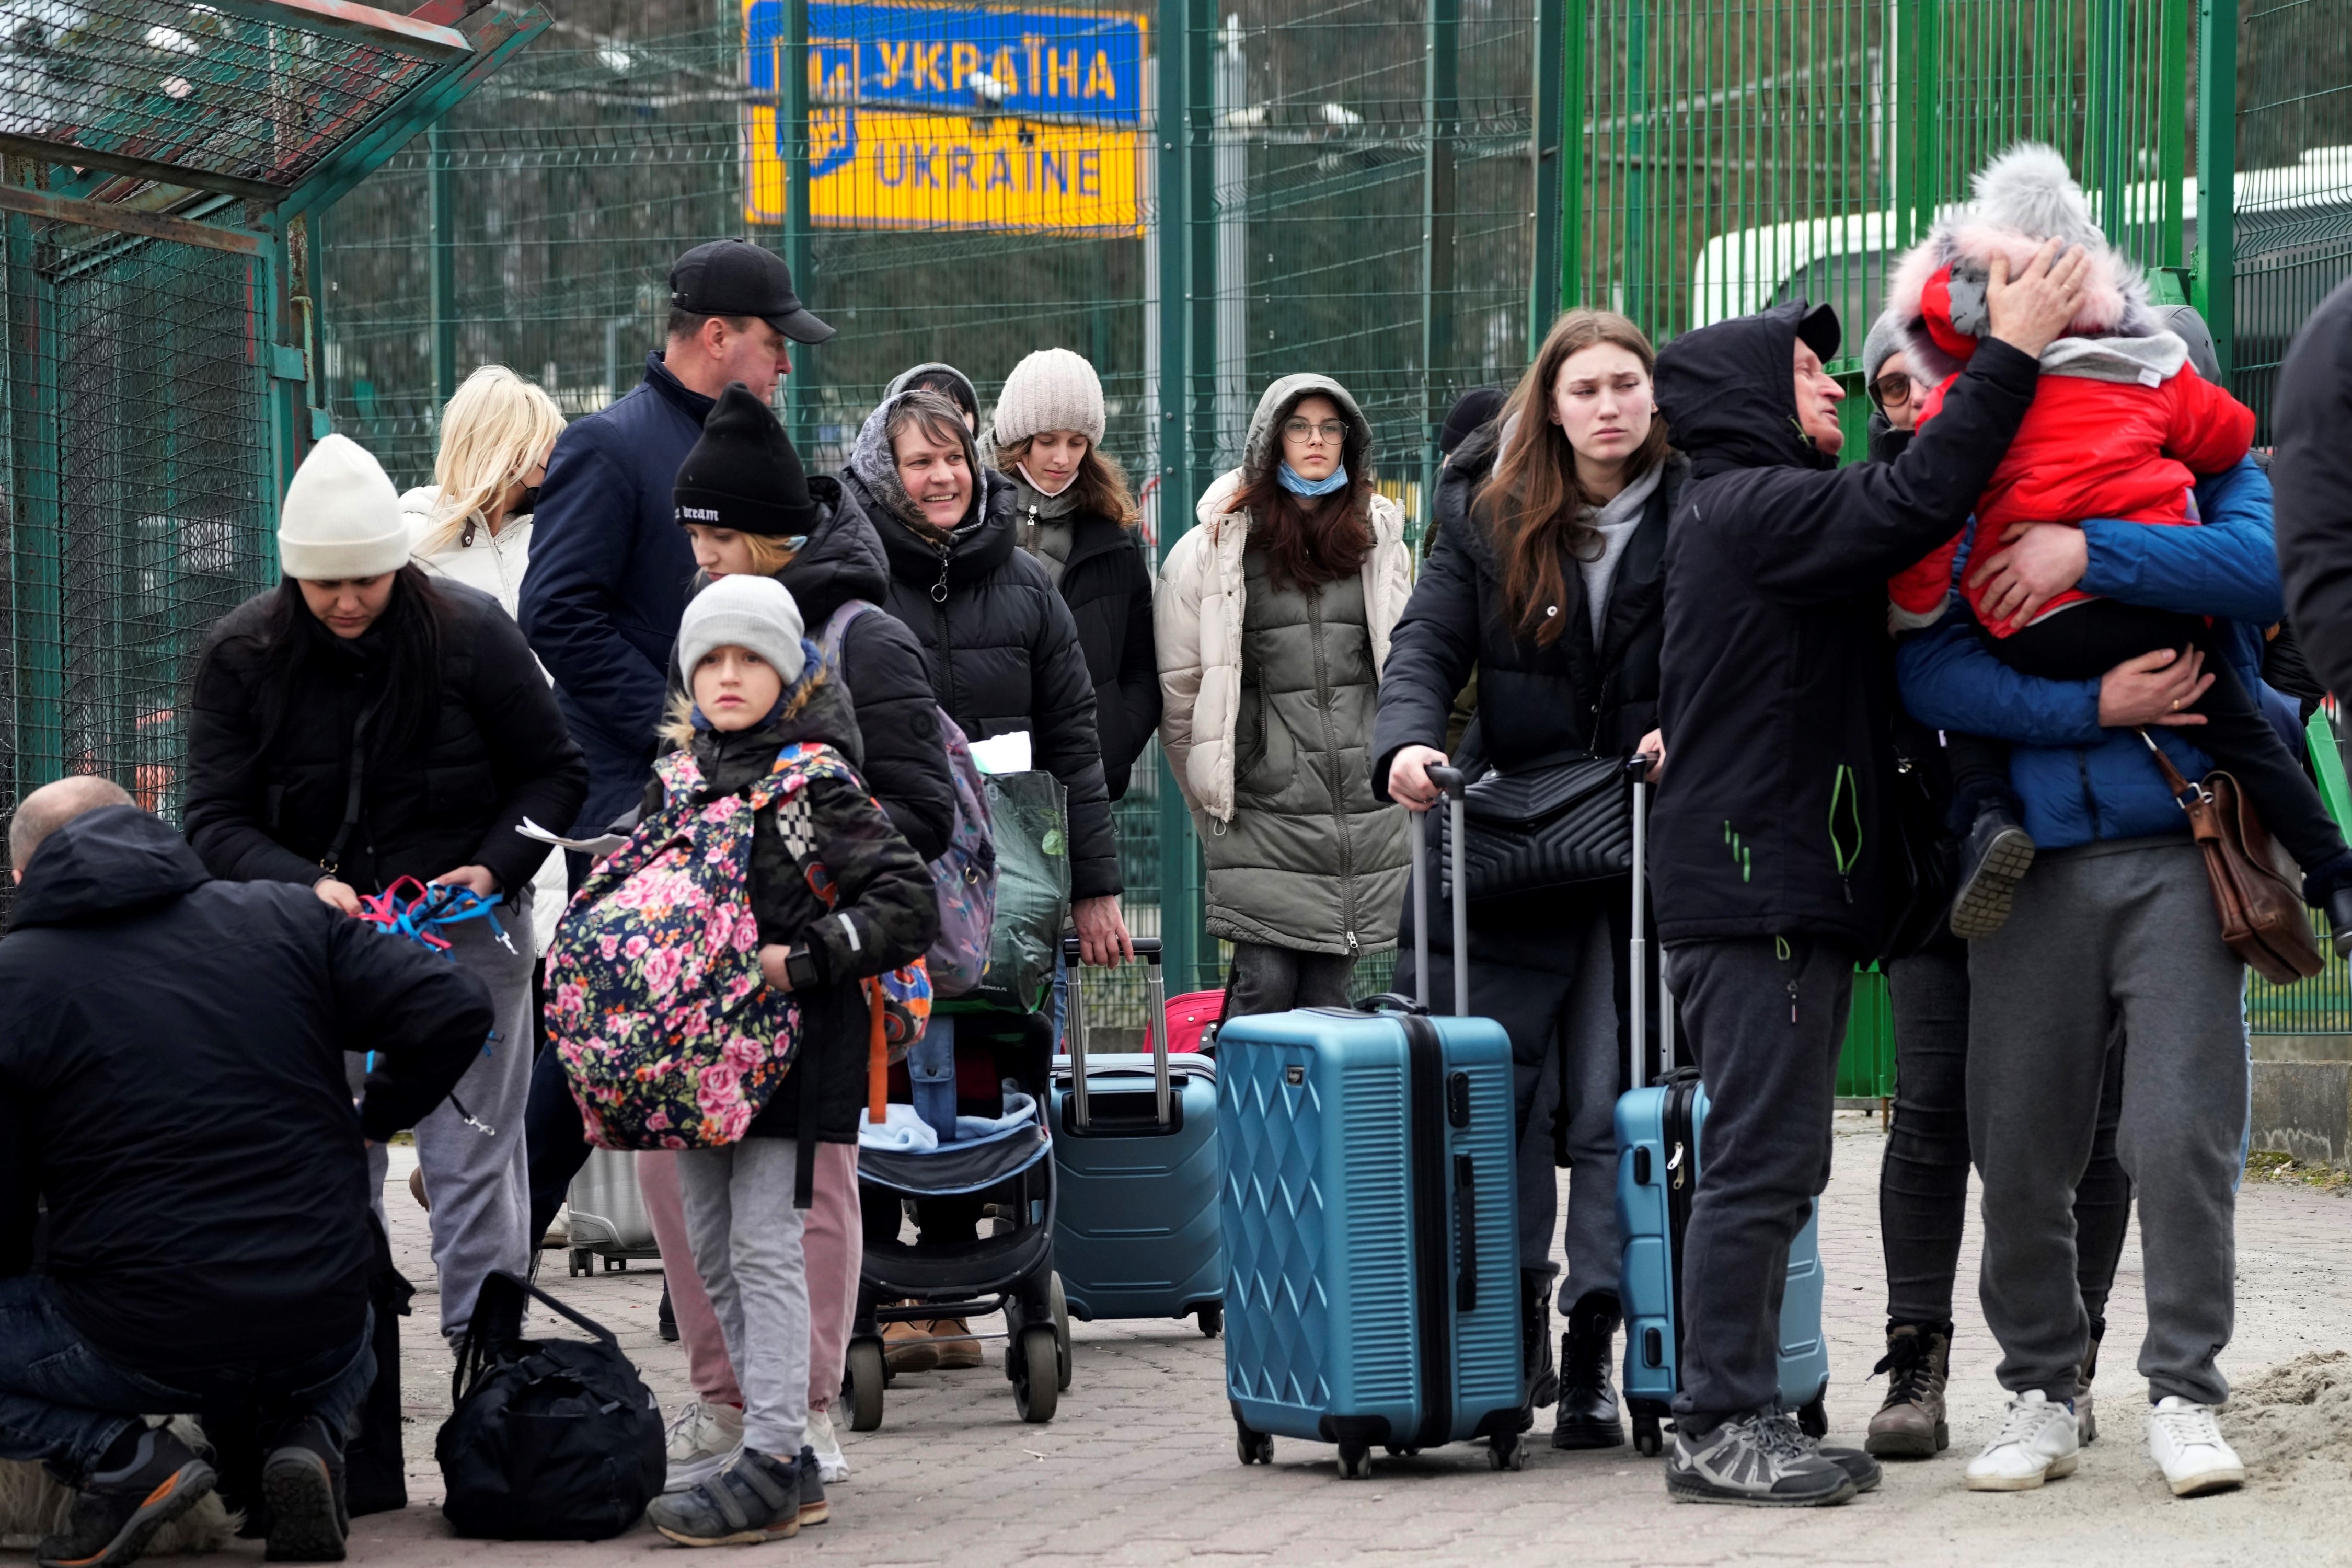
(1767, 843)
(610, 568)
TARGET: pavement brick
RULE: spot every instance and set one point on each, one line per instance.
(1139, 1469)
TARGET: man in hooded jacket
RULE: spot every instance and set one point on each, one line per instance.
(1766, 834)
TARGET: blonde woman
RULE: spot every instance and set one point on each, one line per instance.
(472, 524)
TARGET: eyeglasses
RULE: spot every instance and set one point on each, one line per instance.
(1331, 430)
(1893, 389)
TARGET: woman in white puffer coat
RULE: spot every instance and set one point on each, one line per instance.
(472, 524)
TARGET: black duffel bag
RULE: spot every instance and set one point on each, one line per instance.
(551, 1439)
(1551, 826)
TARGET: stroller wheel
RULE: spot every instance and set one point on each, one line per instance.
(1036, 1377)
(864, 1367)
(1061, 1332)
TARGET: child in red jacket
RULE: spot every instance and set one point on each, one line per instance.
(2121, 426)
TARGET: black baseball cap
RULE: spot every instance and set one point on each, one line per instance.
(736, 277)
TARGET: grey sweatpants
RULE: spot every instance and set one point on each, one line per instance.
(2107, 932)
(746, 1237)
(1766, 1017)
(478, 1181)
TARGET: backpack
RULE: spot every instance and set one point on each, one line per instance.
(668, 1033)
(964, 874)
(551, 1439)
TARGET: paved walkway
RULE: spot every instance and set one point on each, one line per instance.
(1139, 1466)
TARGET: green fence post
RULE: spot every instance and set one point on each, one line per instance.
(1179, 908)
(1545, 139)
(1576, 22)
(2217, 163)
(793, 116)
(36, 574)
(1440, 112)
(441, 221)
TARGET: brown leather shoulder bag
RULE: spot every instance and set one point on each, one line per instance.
(2257, 888)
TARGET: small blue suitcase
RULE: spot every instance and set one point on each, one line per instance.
(1658, 1132)
(1371, 1225)
(1136, 1173)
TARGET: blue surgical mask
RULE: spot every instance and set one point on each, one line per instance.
(1292, 480)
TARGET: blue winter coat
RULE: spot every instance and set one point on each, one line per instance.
(610, 573)
(2078, 781)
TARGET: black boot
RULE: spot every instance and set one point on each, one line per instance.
(1589, 1417)
(666, 1320)
(1535, 1339)
(1997, 854)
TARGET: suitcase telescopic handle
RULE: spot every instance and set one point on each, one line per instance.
(1155, 1029)
(1450, 781)
(1639, 987)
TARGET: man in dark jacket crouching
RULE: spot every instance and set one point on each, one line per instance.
(1777, 705)
(171, 1084)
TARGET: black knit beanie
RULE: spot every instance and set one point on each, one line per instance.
(744, 474)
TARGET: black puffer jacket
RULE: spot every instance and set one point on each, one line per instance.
(1108, 590)
(1000, 645)
(884, 915)
(882, 665)
(498, 752)
(1775, 690)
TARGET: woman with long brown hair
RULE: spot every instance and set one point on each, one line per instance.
(1544, 582)
(1273, 622)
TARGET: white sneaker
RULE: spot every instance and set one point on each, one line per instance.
(2187, 1445)
(2037, 1442)
(702, 1439)
(832, 1465)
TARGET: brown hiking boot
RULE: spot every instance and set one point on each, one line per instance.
(958, 1349)
(1910, 1425)
(907, 1347)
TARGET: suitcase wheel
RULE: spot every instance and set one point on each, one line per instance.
(1813, 1417)
(866, 1379)
(1253, 1448)
(1647, 1440)
(582, 1261)
(1506, 1452)
(616, 1265)
(1211, 1316)
(1355, 1462)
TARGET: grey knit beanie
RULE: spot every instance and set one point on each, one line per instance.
(744, 610)
(1883, 343)
(1052, 389)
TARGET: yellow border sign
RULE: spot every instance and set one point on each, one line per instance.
(898, 141)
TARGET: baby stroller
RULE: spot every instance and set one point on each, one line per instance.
(1004, 1165)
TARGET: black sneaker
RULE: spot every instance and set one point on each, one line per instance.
(1760, 1461)
(756, 1497)
(1858, 1466)
(814, 1510)
(145, 1480)
(302, 1484)
(1995, 859)
(665, 1319)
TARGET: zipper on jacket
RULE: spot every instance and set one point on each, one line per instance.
(1332, 768)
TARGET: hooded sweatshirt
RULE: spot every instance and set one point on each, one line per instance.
(172, 1083)
(1776, 690)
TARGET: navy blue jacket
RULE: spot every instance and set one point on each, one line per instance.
(610, 574)
(2077, 780)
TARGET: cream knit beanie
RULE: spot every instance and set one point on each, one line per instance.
(341, 517)
(1052, 389)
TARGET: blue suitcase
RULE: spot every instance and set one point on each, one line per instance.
(1658, 1135)
(1136, 1174)
(1371, 1227)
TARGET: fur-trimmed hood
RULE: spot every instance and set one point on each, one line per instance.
(2022, 198)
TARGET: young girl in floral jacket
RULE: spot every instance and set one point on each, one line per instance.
(839, 897)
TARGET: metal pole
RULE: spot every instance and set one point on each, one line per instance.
(441, 220)
(792, 121)
(1575, 29)
(1179, 910)
(1545, 138)
(35, 559)
(1440, 114)
(2217, 163)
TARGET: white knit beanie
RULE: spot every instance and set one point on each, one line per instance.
(341, 517)
(744, 610)
(1052, 389)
